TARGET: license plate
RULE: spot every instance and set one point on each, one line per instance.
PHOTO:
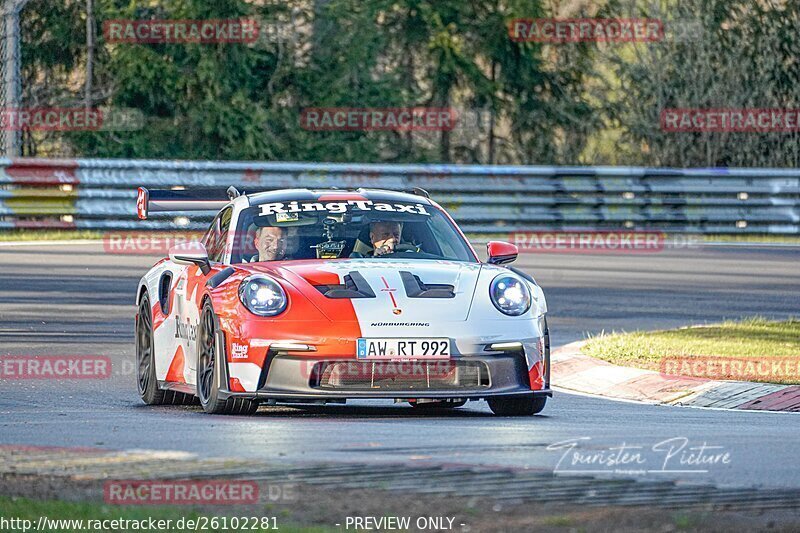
(403, 348)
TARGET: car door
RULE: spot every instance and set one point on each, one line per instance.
(190, 288)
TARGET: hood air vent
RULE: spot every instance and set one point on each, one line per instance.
(355, 286)
(415, 288)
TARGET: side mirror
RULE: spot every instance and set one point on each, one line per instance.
(501, 253)
(191, 253)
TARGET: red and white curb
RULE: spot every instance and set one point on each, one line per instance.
(574, 371)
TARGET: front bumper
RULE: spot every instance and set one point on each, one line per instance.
(466, 377)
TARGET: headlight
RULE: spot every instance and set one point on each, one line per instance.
(510, 295)
(262, 296)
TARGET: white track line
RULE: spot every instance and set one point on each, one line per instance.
(50, 243)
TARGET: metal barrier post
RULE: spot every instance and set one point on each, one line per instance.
(10, 44)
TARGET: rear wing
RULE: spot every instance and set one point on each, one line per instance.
(166, 200)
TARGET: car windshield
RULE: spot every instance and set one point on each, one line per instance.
(346, 229)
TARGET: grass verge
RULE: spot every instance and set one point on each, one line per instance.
(48, 235)
(321, 508)
(701, 351)
(754, 238)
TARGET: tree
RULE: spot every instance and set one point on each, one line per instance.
(719, 54)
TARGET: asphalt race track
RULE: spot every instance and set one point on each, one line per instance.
(69, 299)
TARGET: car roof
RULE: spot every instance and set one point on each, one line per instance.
(336, 195)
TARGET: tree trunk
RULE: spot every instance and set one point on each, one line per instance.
(492, 118)
(87, 89)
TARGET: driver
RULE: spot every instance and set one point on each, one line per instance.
(270, 243)
(384, 236)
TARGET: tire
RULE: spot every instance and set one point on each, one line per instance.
(207, 382)
(146, 381)
(526, 406)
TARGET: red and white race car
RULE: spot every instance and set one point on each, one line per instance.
(316, 296)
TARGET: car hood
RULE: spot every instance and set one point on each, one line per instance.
(394, 291)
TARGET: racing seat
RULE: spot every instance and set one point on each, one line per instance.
(249, 252)
(362, 247)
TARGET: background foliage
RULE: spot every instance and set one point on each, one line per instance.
(519, 103)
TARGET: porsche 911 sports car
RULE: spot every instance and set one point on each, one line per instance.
(320, 296)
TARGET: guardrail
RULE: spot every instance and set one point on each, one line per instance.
(99, 194)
